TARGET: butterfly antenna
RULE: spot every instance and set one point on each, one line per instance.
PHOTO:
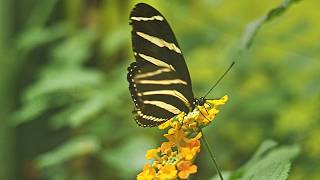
(218, 81)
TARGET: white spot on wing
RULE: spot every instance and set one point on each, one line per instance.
(149, 117)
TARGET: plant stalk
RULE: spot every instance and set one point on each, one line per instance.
(211, 154)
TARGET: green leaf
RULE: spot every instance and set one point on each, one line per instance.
(264, 147)
(268, 163)
(29, 111)
(45, 8)
(96, 104)
(278, 171)
(36, 36)
(113, 41)
(254, 26)
(274, 166)
(54, 89)
(76, 49)
(63, 81)
(79, 146)
(129, 157)
(79, 113)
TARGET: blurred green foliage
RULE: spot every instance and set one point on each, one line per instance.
(65, 105)
(268, 162)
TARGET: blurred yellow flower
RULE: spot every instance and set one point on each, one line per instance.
(174, 158)
(153, 153)
(148, 173)
(185, 169)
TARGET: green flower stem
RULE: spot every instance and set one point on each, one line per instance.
(211, 154)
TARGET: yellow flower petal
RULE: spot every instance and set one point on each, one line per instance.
(220, 101)
(167, 172)
(165, 124)
(152, 153)
(191, 149)
(166, 147)
(185, 169)
(198, 136)
(148, 173)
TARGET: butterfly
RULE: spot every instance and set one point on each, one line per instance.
(159, 80)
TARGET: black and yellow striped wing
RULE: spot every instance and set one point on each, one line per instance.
(159, 80)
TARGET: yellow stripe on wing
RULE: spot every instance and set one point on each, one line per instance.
(168, 92)
(154, 73)
(159, 42)
(164, 106)
(154, 61)
(162, 82)
(157, 18)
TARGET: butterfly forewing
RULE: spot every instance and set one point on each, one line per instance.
(152, 36)
(159, 80)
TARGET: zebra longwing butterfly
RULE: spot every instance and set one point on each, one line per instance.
(159, 80)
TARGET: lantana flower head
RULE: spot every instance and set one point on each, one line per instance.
(174, 158)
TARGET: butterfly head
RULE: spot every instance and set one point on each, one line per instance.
(199, 102)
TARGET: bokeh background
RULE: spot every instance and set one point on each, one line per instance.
(65, 105)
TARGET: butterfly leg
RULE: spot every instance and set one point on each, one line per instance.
(203, 114)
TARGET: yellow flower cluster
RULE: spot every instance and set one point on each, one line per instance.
(174, 158)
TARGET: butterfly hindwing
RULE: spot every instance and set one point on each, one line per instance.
(158, 93)
(159, 80)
